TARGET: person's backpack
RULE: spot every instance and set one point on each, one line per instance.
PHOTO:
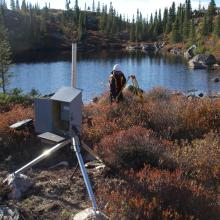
(120, 80)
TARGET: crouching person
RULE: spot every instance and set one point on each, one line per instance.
(117, 82)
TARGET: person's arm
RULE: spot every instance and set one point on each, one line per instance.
(112, 84)
(123, 80)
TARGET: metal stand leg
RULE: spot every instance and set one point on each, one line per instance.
(76, 147)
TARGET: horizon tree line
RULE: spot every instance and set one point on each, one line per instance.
(176, 22)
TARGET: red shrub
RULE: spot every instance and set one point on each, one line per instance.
(131, 148)
(200, 159)
(17, 113)
(20, 145)
(170, 116)
(155, 194)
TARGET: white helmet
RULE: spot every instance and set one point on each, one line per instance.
(116, 67)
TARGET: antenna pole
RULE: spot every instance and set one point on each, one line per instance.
(74, 63)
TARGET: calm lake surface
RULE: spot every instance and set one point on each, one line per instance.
(48, 72)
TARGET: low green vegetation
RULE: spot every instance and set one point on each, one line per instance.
(14, 97)
(5, 58)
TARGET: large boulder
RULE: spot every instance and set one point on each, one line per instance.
(9, 213)
(175, 51)
(149, 47)
(190, 52)
(196, 65)
(19, 185)
(202, 61)
(206, 59)
(89, 214)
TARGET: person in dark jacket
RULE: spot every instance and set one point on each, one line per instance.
(117, 82)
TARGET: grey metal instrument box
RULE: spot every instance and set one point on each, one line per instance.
(60, 114)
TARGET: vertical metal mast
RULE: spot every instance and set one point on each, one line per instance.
(74, 63)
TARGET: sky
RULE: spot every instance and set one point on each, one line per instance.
(125, 7)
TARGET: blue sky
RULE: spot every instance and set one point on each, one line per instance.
(126, 7)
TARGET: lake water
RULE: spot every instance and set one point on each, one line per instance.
(48, 72)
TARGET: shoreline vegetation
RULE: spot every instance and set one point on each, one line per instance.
(162, 157)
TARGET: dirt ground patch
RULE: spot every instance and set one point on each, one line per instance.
(54, 195)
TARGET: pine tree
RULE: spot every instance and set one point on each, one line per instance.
(186, 27)
(188, 9)
(205, 26)
(3, 4)
(176, 36)
(24, 6)
(160, 24)
(210, 15)
(187, 17)
(102, 22)
(17, 5)
(165, 19)
(12, 5)
(181, 17)
(145, 30)
(5, 59)
(132, 33)
(169, 22)
(98, 10)
(67, 4)
(173, 12)
(137, 30)
(77, 11)
(113, 26)
(192, 33)
(81, 26)
(217, 26)
(212, 8)
(93, 5)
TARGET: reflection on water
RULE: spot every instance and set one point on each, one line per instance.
(49, 71)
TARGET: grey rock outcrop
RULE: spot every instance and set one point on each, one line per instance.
(89, 214)
(196, 65)
(216, 80)
(9, 213)
(175, 51)
(202, 61)
(149, 47)
(19, 185)
(190, 52)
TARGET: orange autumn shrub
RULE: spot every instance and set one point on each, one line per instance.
(133, 148)
(96, 124)
(17, 144)
(200, 159)
(17, 113)
(172, 117)
(156, 194)
(181, 118)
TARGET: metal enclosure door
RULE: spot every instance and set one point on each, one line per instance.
(76, 114)
(43, 115)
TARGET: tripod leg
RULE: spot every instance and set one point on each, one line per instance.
(84, 173)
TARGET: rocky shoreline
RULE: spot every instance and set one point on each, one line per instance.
(196, 61)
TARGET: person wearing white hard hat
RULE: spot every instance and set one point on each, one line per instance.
(117, 82)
